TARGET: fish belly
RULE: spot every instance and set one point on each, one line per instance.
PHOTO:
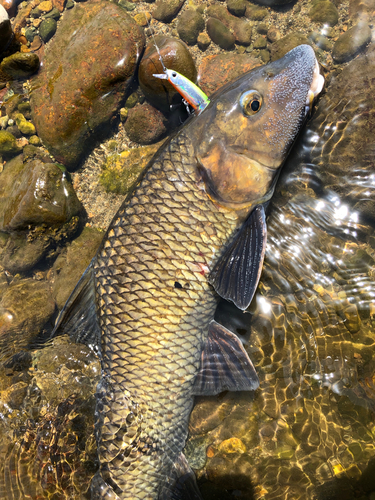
(154, 305)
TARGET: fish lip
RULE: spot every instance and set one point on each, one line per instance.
(316, 87)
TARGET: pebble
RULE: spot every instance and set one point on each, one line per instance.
(262, 29)
(350, 43)
(321, 41)
(25, 127)
(167, 10)
(324, 11)
(53, 14)
(145, 124)
(265, 55)
(203, 41)
(45, 6)
(4, 121)
(281, 47)
(220, 34)
(232, 445)
(241, 28)
(47, 29)
(256, 13)
(34, 140)
(8, 144)
(30, 33)
(129, 6)
(143, 19)
(20, 65)
(190, 24)
(273, 34)
(260, 43)
(175, 55)
(237, 7)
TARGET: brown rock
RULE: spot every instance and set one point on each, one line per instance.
(217, 70)
(241, 28)
(59, 4)
(145, 124)
(83, 79)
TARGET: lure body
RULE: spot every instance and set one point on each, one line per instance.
(189, 91)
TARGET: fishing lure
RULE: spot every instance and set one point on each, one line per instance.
(189, 91)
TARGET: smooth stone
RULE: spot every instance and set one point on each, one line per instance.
(30, 33)
(359, 8)
(72, 113)
(20, 65)
(145, 124)
(203, 41)
(25, 309)
(220, 34)
(54, 14)
(167, 10)
(256, 13)
(129, 6)
(34, 140)
(8, 144)
(350, 43)
(45, 6)
(219, 69)
(265, 55)
(47, 29)
(262, 29)
(189, 25)
(24, 107)
(71, 264)
(324, 11)
(175, 55)
(35, 13)
(279, 48)
(237, 7)
(232, 445)
(241, 28)
(260, 43)
(20, 254)
(25, 127)
(35, 193)
(321, 41)
(120, 171)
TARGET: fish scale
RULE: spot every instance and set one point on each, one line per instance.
(157, 381)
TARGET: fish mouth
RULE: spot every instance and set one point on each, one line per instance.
(315, 88)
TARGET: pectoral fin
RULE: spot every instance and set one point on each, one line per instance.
(78, 318)
(236, 275)
(225, 365)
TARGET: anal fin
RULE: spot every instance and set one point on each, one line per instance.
(182, 484)
(236, 275)
(225, 365)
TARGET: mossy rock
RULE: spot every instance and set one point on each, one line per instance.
(8, 144)
(324, 12)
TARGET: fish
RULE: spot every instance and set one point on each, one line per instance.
(190, 92)
(192, 230)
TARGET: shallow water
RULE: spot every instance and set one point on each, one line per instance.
(308, 431)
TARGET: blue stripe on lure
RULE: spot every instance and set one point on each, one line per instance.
(189, 91)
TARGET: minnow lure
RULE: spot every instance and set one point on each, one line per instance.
(189, 91)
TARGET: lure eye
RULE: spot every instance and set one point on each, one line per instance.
(174, 74)
(251, 102)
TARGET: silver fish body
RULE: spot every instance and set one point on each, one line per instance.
(146, 298)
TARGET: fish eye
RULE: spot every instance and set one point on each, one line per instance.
(251, 102)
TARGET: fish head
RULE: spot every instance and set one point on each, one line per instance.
(243, 137)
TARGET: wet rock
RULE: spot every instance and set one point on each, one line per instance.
(21, 254)
(53, 14)
(217, 70)
(167, 10)
(24, 107)
(281, 47)
(262, 28)
(203, 41)
(34, 140)
(30, 33)
(47, 29)
(232, 445)
(145, 124)
(35, 193)
(25, 309)
(359, 8)
(143, 19)
(265, 55)
(6, 32)
(120, 171)
(273, 3)
(321, 41)
(232, 472)
(220, 34)
(71, 264)
(19, 65)
(129, 6)
(175, 55)
(350, 43)
(8, 144)
(260, 43)
(81, 84)
(324, 11)
(189, 25)
(237, 7)
(25, 127)
(256, 13)
(241, 28)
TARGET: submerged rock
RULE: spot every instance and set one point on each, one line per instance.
(145, 124)
(167, 10)
(84, 79)
(241, 28)
(350, 43)
(20, 65)
(281, 47)
(8, 144)
(220, 34)
(190, 24)
(324, 11)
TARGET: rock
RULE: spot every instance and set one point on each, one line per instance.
(30, 33)
(35, 192)
(81, 84)
(143, 19)
(8, 144)
(20, 254)
(24, 107)
(256, 13)
(6, 32)
(262, 29)
(220, 34)
(36, 43)
(129, 6)
(25, 309)
(359, 8)
(265, 55)
(241, 28)
(350, 43)
(71, 264)
(4, 122)
(237, 7)
(273, 3)
(120, 171)
(281, 47)
(189, 25)
(175, 55)
(53, 14)
(166, 10)
(260, 43)
(47, 29)
(145, 124)
(25, 127)
(45, 6)
(203, 41)
(20, 65)
(321, 41)
(60, 4)
(232, 445)
(217, 70)
(324, 11)
(34, 140)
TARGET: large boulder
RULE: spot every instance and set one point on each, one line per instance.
(85, 73)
